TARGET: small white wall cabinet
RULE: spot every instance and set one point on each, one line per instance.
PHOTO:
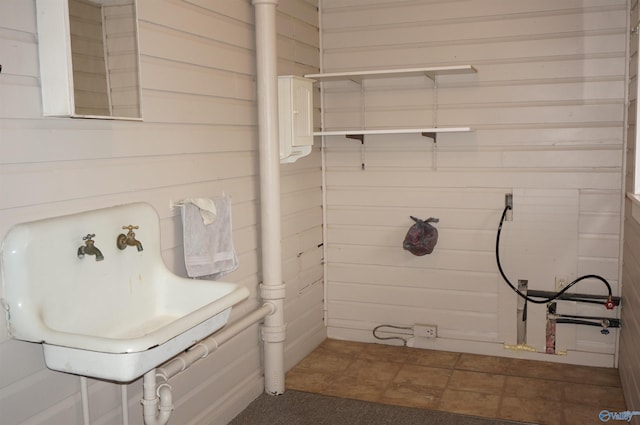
(113, 35)
(359, 77)
(295, 112)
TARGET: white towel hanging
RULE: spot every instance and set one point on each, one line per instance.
(207, 236)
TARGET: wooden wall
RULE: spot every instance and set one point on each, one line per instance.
(630, 333)
(198, 139)
(547, 106)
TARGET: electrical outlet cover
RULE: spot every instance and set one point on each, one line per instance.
(425, 331)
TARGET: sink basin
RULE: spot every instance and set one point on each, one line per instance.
(113, 319)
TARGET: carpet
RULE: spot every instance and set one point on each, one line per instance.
(300, 408)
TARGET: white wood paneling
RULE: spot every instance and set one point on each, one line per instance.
(540, 244)
(630, 333)
(629, 357)
(548, 111)
(198, 139)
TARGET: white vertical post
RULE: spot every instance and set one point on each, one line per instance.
(272, 290)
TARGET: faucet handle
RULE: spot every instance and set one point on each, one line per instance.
(89, 237)
(130, 227)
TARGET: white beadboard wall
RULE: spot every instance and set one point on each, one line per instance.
(547, 106)
(198, 139)
(630, 333)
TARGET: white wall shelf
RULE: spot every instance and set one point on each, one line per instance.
(360, 76)
(427, 132)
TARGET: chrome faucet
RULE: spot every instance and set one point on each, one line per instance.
(129, 239)
(89, 248)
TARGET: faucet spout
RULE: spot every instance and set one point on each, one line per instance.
(129, 239)
(89, 248)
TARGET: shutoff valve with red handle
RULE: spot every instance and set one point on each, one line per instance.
(609, 304)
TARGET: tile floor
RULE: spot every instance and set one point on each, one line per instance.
(494, 387)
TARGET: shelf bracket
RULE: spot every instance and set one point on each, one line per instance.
(430, 75)
(359, 137)
(431, 134)
(434, 136)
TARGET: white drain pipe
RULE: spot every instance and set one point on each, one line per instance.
(211, 344)
(157, 399)
(272, 288)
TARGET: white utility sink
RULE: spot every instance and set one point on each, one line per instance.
(116, 318)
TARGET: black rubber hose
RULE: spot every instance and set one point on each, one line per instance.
(404, 341)
(540, 300)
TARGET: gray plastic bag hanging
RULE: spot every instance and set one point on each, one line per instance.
(422, 237)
